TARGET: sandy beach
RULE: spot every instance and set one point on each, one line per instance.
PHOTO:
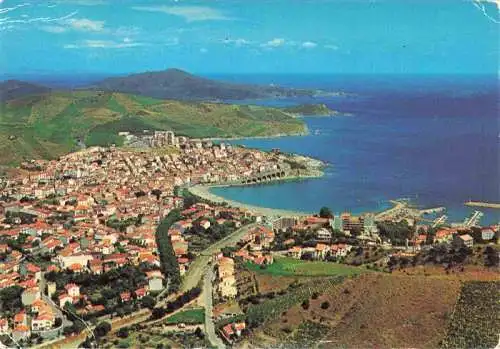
(203, 191)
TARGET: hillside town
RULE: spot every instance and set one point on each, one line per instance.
(97, 210)
(79, 236)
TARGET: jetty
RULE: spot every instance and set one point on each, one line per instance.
(474, 219)
(432, 210)
(440, 220)
(471, 203)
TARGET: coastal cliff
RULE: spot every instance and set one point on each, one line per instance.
(310, 110)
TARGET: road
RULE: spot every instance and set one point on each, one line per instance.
(209, 322)
(49, 301)
(200, 264)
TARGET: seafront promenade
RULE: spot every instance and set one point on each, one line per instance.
(203, 191)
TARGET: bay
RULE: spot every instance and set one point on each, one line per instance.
(434, 140)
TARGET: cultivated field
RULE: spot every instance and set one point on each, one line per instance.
(367, 311)
(475, 323)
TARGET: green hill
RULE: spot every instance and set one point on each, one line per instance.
(310, 109)
(48, 125)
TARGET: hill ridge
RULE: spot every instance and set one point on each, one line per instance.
(51, 124)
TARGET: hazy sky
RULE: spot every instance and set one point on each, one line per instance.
(249, 36)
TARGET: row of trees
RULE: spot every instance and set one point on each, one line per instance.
(169, 265)
(177, 303)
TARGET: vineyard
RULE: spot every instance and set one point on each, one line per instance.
(370, 310)
(272, 308)
(476, 319)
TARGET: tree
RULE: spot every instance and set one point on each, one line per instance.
(158, 313)
(199, 333)
(157, 193)
(123, 332)
(67, 330)
(305, 304)
(325, 305)
(325, 212)
(148, 302)
(140, 193)
(168, 260)
(10, 299)
(491, 258)
(177, 191)
(102, 329)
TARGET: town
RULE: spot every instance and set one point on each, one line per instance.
(107, 240)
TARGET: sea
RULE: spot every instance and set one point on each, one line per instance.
(434, 140)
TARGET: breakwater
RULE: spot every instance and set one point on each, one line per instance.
(482, 204)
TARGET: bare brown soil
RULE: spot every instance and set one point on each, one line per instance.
(373, 310)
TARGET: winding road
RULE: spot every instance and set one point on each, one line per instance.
(201, 268)
(50, 302)
(200, 265)
(209, 321)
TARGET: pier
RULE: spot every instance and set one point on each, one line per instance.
(432, 210)
(440, 220)
(474, 219)
(482, 204)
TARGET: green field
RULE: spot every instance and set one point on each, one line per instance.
(47, 126)
(190, 316)
(284, 266)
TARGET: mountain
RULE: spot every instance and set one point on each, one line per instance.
(12, 89)
(178, 84)
(52, 124)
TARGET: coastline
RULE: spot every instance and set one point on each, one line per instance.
(203, 191)
(279, 135)
(314, 168)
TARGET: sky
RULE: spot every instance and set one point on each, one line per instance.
(249, 36)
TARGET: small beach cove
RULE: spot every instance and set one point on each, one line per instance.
(204, 191)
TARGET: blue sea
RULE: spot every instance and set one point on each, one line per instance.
(432, 139)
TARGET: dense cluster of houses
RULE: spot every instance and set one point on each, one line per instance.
(322, 228)
(98, 209)
(203, 216)
(254, 248)
(38, 316)
(456, 236)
